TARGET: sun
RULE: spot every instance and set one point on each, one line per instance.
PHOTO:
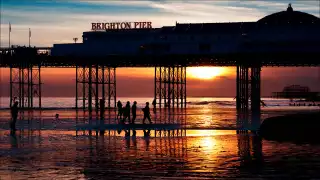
(205, 72)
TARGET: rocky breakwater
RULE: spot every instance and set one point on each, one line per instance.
(299, 128)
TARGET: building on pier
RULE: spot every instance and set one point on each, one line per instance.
(297, 92)
(283, 28)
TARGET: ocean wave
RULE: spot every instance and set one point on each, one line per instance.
(66, 105)
(220, 103)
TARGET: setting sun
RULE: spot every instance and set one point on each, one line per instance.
(205, 72)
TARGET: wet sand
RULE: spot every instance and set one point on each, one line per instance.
(199, 155)
(49, 149)
(199, 117)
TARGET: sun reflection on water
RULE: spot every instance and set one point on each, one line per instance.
(208, 143)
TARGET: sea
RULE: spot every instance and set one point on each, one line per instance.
(45, 147)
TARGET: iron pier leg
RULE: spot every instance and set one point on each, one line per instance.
(103, 93)
(165, 90)
(178, 73)
(248, 87)
(97, 82)
(96, 92)
(242, 97)
(29, 86)
(77, 81)
(185, 86)
(90, 93)
(111, 82)
(173, 82)
(114, 85)
(109, 93)
(170, 87)
(83, 87)
(11, 86)
(36, 84)
(25, 84)
(32, 88)
(155, 88)
(21, 82)
(255, 97)
(89, 79)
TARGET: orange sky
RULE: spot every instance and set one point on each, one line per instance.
(140, 81)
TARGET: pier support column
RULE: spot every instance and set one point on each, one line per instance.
(248, 88)
(255, 97)
(250, 150)
(242, 98)
(170, 87)
(170, 95)
(25, 85)
(95, 83)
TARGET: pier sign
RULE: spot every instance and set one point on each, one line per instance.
(121, 25)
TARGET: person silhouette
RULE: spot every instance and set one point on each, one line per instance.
(14, 115)
(134, 111)
(120, 111)
(126, 112)
(146, 113)
(289, 9)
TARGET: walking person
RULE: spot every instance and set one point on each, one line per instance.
(14, 115)
(146, 113)
(126, 113)
(119, 106)
(134, 111)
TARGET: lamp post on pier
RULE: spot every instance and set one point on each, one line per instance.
(75, 40)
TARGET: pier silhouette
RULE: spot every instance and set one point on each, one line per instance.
(286, 38)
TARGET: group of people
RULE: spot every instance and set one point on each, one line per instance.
(124, 113)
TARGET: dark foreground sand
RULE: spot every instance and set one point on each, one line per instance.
(300, 128)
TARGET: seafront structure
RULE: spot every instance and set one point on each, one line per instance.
(297, 92)
(286, 38)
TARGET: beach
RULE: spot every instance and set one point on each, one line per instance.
(43, 148)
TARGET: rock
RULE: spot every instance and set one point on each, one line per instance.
(301, 128)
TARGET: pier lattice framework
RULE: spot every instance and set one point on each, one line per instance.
(95, 89)
(170, 95)
(25, 77)
(25, 86)
(170, 80)
(248, 96)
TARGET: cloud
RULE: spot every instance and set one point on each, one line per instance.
(123, 3)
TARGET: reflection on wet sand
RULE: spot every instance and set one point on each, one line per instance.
(221, 154)
(115, 156)
(250, 153)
